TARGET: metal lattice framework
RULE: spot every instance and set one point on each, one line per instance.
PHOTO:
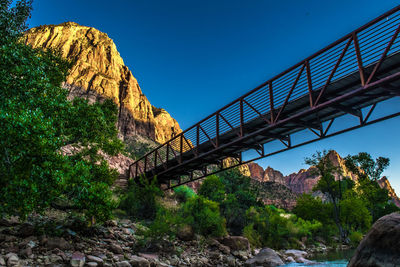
(349, 77)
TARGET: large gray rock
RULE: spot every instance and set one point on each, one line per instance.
(137, 261)
(381, 246)
(298, 256)
(266, 257)
(12, 259)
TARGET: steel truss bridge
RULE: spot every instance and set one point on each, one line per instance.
(349, 77)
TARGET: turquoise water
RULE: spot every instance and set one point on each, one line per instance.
(339, 258)
(336, 263)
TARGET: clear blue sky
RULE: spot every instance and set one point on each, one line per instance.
(193, 57)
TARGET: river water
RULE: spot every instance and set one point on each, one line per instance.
(339, 258)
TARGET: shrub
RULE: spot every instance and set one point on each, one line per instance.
(233, 191)
(213, 189)
(355, 238)
(183, 193)
(204, 216)
(252, 235)
(274, 228)
(140, 201)
(165, 223)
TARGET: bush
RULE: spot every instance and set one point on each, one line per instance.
(204, 216)
(166, 223)
(310, 208)
(140, 201)
(233, 191)
(274, 228)
(355, 238)
(252, 235)
(183, 193)
(213, 189)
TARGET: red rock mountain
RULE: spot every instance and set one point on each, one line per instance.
(384, 183)
(304, 180)
(99, 72)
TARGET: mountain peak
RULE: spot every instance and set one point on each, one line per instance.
(99, 72)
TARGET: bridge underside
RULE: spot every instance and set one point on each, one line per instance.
(266, 114)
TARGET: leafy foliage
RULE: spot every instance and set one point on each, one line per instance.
(213, 189)
(140, 201)
(363, 165)
(37, 121)
(166, 223)
(354, 213)
(310, 208)
(235, 194)
(273, 227)
(327, 183)
(204, 216)
(183, 193)
(369, 171)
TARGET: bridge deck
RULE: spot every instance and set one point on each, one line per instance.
(358, 71)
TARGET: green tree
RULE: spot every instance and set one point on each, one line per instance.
(140, 201)
(364, 166)
(311, 208)
(213, 189)
(368, 172)
(327, 184)
(235, 194)
(272, 227)
(37, 122)
(354, 213)
(204, 216)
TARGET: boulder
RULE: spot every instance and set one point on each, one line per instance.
(236, 243)
(215, 244)
(26, 252)
(77, 259)
(116, 249)
(381, 245)
(12, 260)
(266, 257)
(297, 255)
(137, 261)
(123, 264)
(92, 258)
(58, 242)
(26, 229)
(13, 220)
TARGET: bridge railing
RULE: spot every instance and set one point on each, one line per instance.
(368, 45)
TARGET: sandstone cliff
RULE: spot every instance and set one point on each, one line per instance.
(304, 180)
(100, 72)
(384, 183)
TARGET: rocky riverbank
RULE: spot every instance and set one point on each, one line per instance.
(44, 241)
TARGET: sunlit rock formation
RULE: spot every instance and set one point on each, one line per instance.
(304, 180)
(100, 72)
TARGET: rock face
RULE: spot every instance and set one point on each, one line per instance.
(384, 183)
(268, 175)
(99, 72)
(381, 246)
(303, 181)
